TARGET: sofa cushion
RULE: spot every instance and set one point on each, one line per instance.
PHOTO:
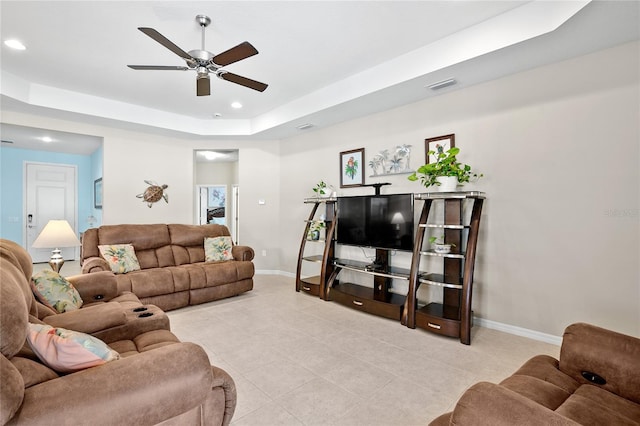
(618, 404)
(121, 257)
(55, 291)
(544, 393)
(66, 350)
(217, 249)
(33, 372)
(586, 411)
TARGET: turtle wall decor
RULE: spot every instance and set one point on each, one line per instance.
(153, 193)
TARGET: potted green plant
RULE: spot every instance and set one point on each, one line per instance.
(314, 229)
(322, 189)
(439, 246)
(446, 172)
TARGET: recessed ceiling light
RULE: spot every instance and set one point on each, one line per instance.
(236, 105)
(15, 44)
(304, 126)
(46, 139)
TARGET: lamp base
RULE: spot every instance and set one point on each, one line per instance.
(56, 260)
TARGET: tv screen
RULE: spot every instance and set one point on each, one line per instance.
(379, 221)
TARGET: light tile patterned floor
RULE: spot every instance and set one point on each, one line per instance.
(298, 360)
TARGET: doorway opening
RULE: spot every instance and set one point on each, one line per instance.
(217, 189)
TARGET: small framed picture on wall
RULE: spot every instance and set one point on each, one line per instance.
(97, 193)
(437, 145)
(351, 164)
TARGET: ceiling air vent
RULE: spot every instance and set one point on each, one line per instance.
(6, 141)
(304, 126)
(442, 84)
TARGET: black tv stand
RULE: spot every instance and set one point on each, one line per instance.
(375, 267)
(377, 186)
(378, 300)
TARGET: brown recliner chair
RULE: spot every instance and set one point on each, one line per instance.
(157, 380)
(596, 381)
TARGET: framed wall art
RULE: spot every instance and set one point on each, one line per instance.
(97, 193)
(438, 144)
(351, 164)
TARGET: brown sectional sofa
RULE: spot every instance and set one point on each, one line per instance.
(173, 271)
(595, 382)
(157, 380)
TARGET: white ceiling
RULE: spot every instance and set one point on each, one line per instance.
(324, 61)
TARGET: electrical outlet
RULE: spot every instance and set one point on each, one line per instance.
(264, 252)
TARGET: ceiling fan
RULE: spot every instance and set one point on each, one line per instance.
(204, 62)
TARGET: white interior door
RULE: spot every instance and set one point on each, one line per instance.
(202, 205)
(50, 191)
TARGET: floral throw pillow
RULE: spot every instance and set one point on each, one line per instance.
(217, 249)
(121, 257)
(53, 290)
(66, 351)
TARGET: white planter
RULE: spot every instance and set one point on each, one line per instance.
(442, 248)
(447, 183)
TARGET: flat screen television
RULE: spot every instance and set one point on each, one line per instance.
(378, 221)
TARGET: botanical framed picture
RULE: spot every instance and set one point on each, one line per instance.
(97, 193)
(437, 145)
(351, 164)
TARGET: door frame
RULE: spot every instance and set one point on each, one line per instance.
(25, 198)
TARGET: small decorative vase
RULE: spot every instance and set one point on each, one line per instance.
(315, 235)
(442, 248)
(447, 183)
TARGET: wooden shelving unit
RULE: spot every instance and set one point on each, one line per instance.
(452, 316)
(316, 284)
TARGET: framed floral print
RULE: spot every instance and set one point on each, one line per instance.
(437, 145)
(351, 163)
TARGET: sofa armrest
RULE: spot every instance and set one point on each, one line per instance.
(90, 319)
(604, 353)
(96, 287)
(142, 389)
(242, 253)
(222, 379)
(488, 404)
(95, 264)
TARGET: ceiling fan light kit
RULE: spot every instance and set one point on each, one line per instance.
(205, 62)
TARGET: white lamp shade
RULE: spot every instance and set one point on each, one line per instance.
(57, 233)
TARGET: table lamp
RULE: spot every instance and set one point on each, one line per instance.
(57, 233)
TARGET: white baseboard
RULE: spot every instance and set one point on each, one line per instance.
(518, 331)
(494, 325)
(274, 272)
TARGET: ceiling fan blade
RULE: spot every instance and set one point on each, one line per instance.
(235, 54)
(165, 42)
(203, 86)
(157, 67)
(243, 81)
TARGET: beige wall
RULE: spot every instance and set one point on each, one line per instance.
(219, 173)
(559, 147)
